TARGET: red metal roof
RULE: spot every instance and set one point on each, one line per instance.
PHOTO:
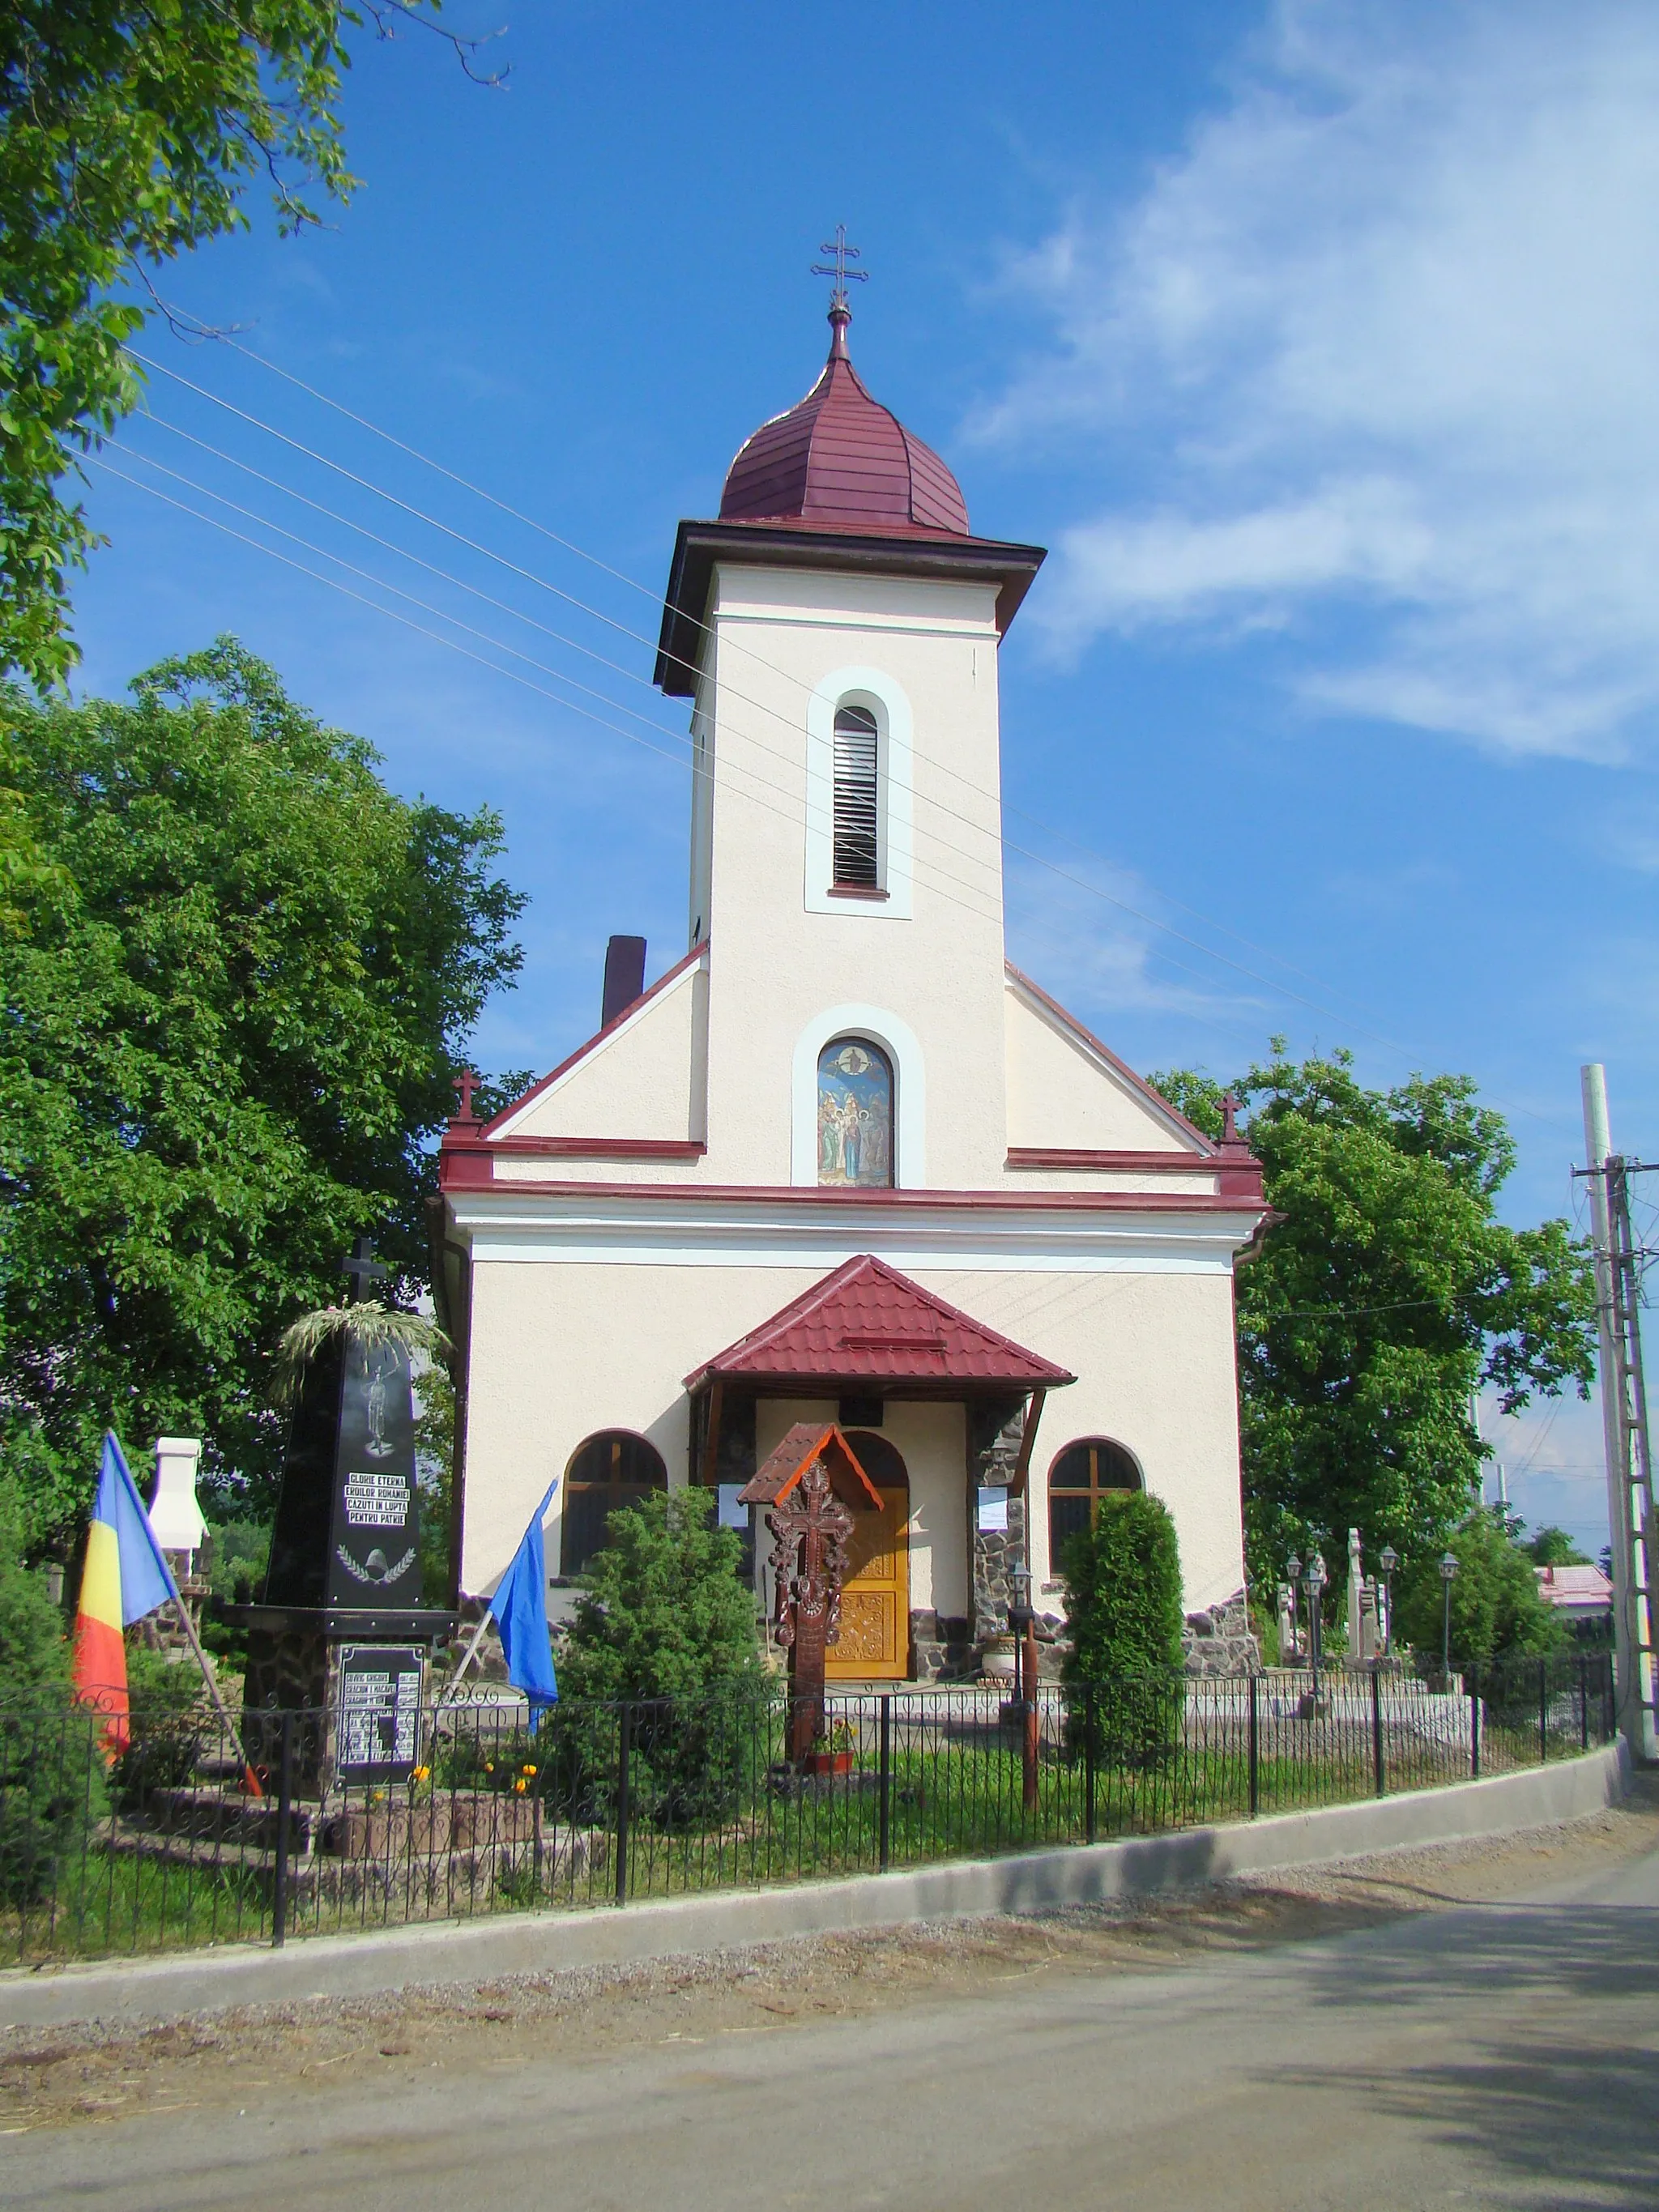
(838, 459)
(868, 1324)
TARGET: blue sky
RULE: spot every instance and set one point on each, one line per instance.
(1317, 341)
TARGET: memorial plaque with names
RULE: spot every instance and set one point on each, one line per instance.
(378, 1732)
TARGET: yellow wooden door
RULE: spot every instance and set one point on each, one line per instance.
(875, 1599)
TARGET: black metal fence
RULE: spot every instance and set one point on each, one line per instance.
(164, 1844)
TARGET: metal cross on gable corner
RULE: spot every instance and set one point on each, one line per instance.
(360, 1264)
(843, 253)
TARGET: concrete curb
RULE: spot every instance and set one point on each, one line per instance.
(508, 1943)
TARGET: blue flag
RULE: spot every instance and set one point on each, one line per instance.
(146, 1578)
(520, 1607)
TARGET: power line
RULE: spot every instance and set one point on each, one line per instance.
(1040, 860)
(710, 776)
(498, 644)
(1123, 905)
(647, 591)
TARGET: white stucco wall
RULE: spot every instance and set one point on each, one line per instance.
(775, 963)
(1060, 1093)
(560, 1351)
(643, 1081)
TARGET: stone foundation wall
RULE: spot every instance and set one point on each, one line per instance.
(1220, 1641)
(942, 1647)
(994, 1435)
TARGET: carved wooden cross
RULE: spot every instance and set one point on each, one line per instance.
(809, 1532)
(464, 1083)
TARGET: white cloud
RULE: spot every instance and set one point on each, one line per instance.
(1384, 341)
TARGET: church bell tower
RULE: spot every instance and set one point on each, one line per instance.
(836, 630)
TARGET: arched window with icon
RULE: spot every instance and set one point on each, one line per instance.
(855, 1114)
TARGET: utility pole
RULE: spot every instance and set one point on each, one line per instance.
(1624, 1418)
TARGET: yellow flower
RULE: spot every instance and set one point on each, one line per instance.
(521, 1785)
(526, 1769)
(490, 1766)
(420, 1773)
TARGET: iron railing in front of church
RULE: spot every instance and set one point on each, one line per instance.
(165, 1845)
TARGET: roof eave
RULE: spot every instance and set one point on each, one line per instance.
(788, 545)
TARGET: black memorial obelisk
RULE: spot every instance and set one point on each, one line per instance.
(345, 1550)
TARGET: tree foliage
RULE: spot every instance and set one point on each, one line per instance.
(1496, 1609)
(130, 130)
(1387, 1291)
(1549, 1546)
(230, 1024)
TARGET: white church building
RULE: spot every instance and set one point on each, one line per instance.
(842, 1160)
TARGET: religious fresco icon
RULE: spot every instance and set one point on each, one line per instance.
(855, 1114)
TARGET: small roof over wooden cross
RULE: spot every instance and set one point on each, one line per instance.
(809, 1442)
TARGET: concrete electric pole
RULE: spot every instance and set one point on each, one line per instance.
(1624, 1418)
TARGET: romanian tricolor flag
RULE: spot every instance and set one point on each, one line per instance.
(125, 1577)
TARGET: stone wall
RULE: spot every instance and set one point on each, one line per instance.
(994, 1433)
(1219, 1641)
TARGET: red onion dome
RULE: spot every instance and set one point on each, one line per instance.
(840, 460)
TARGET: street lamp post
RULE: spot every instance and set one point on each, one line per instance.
(1316, 1580)
(1448, 1570)
(1388, 1562)
(1022, 1620)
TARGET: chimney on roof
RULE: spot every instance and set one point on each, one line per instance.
(624, 976)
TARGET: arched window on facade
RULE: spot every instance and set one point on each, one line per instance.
(857, 801)
(1084, 1473)
(856, 1113)
(609, 1471)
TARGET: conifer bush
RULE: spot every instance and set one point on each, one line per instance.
(52, 1777)
(665, 1627)
(1123, 1620)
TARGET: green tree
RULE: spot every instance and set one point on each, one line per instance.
(1386, 1292)
(1550, 1547)
(130, 131)
(231, 1020)
(1495, 1610)
(1123, 1624)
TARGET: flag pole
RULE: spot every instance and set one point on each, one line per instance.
(467, 1657)
(208, 1676)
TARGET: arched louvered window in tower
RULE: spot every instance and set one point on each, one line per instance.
(857, 808)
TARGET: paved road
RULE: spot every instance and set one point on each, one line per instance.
(1494, 2055)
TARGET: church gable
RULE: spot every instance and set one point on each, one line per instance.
(639, 1078)
(1069, 1092)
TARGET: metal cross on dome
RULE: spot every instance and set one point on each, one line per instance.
(843, 253)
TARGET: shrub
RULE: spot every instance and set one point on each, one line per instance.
(1495, 1610)
(1123, 1618)
(666, 1625)
(51, 1776)
(171, 1722)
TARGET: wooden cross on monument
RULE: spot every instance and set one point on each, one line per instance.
(360, 1264)
(807, 1484)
